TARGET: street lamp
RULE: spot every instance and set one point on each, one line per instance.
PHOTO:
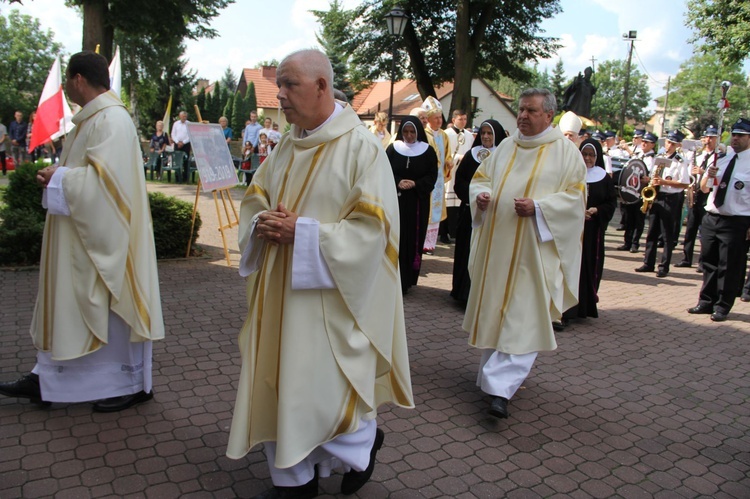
(396, 20)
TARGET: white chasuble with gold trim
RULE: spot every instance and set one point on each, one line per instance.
(519, 285)
(102, 256)
(315, 361)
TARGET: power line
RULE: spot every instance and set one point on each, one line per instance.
(643, 67)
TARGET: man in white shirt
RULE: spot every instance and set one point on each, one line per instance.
(181, 141)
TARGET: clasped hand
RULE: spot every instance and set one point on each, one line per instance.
(44, 175)
(524, 207)
(277, 226)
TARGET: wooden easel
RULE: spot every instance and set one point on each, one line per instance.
(226, 198)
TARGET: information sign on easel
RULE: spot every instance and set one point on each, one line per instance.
(216, 174)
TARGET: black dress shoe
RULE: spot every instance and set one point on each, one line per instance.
(660, 244)
(745, 297)
(445, 239)
(700, 310)
(354, 480)
(718, 317)
(620, 228)
(306, 491)
(699, 270)
(683, 264)
(115, 404)
(624, 247)
(644, 268)
(662, 273)
(499, 407)
(25, 387)
(634, 249)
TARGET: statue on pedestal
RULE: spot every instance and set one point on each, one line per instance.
(578, 95)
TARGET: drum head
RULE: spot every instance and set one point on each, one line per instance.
(629, 184)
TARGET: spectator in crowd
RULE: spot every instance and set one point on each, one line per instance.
(252, 130)
(159, 142)
(17, 133)
(3, 137)
(380, 130)
(224, 122)
(181, 141)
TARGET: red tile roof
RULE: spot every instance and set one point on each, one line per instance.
(264, 80)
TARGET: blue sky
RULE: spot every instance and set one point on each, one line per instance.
(586, 28)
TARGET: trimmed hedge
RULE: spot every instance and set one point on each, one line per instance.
(22, 221)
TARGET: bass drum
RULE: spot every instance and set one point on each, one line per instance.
(629, 185)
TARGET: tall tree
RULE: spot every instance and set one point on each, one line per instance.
(229, 80)
(724, 26)
(610, 89)
(216, 105)
(26, 55)
(330, 38)
(450, 40)
(697, 89)
(202, 100)
(239, 115)
(166, 20)
(228, 108)
(557, 81)
(251, 102)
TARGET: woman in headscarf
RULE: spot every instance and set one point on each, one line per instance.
(601, 203)
(491, 133)
(414, 165)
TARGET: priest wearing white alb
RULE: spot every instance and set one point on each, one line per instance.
(98, 307)
(324, 343)
(527, 202)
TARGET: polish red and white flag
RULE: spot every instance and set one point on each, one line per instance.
(50, 113)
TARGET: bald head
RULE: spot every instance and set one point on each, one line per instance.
(305, 86)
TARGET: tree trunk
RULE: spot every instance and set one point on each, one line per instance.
(467, 49)
(418, 66)
(96, 27)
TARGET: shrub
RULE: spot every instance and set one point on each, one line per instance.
(172, 218)
(20, 236)
(22, 221)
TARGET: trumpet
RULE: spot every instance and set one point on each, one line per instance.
(649, 192)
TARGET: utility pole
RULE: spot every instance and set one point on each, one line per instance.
(666, 104)
(631, 37)
(593, 81)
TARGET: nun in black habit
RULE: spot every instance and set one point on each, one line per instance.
(414, 164)
(491, 133)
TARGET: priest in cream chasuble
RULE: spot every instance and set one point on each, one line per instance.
(324, 342)
(527, 202)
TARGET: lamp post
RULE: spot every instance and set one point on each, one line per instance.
(630, 36)
(396, 20)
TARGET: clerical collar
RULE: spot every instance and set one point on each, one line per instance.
(457, 130)
(534, 137)
(337, 109)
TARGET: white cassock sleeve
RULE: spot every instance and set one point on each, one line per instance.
(309, 268)
(542, 229)
(250, 259)
(53, 197)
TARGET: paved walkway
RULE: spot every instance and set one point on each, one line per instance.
(646, 401)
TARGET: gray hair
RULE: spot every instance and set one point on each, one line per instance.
(549, 103)
(314, 63)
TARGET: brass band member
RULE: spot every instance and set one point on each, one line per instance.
(696, 212)
(634, 218)
(661, 218)
(725, 227)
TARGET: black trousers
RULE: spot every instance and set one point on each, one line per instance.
(2, 160)
(723, 252)
(694, 220)
(186, 148)
(678, 218)
(635, 220)
(661, 223)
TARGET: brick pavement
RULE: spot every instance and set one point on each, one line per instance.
(645, 401)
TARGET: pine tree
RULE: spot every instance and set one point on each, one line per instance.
(200, 101)
(215, 107)
(229, 80)
(557, 82)
(238, 115)
(251, 102)
(206, 111)
(228, 109)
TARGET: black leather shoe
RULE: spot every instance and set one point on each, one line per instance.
(499, 407)
(306, 491)
(745, 297)
(445, 239)
(354, 480)
(25, 387)
(718, 317)
(634, 249)
(660, 244)
(700, 310)
(624, 247)
(699, 270)
(683, 264)
(662, 273)
(620, 228)
(644, 268)
(115, 404)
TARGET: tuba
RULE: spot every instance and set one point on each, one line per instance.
(648, 193)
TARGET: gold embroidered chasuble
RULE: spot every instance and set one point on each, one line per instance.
(314, 362)
(102, 256)
(519, 285)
